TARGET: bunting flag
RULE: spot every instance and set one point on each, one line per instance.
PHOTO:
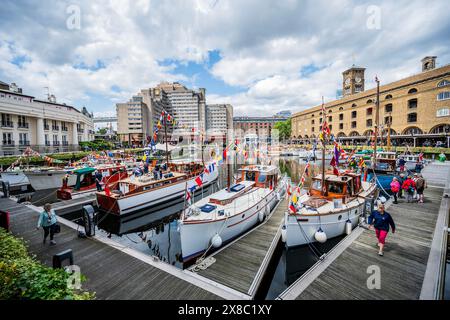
(337, 153)
(361, 163)
(292, 208)
(188, 197)
(107, 191)
(198, 181)
(294, 199)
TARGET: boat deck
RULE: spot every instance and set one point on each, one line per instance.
(112, 272)
(241, 265)
(345, 271)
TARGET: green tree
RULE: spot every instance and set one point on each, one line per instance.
(102, 131)
(284, 128)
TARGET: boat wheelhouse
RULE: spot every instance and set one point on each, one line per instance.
(224, 215)
(329, 210)
(85, 180)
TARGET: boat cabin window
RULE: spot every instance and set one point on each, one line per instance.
(262, 178)
(317, 185)
(335, 187)
(250, 176)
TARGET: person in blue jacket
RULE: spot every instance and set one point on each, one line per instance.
(47, 220)
(380, 220)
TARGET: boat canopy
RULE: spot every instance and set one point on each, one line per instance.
(84, 170)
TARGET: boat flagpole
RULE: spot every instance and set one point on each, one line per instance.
(165, 138)
(324, 123)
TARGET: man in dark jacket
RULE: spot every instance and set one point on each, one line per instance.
(380, 220)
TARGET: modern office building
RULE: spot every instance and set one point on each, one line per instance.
(44, 125)
(219, 121)
(133, 118)
(188, 107)
(416, 106)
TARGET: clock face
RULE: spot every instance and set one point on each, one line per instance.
(347, 81)
(358, 79)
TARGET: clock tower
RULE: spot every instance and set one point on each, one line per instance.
(353, 80)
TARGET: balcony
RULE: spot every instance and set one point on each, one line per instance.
(8, 143)
(81, 130)
(65, 143)
(23, 125)
(24, 143)
(55, 128)
(47, 143)
(56, 143)
(64, 129)
(7, 124)
(46, 127)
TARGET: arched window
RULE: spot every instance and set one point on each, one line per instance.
(442, 128)
(354, 105)
(354, 134)
(368, 133)
(340, 109)
(412, 130)
(443, 95)
(386, 130)
(312, 116)
(443, 83)
(329, 111)
(341, 135)
(411, 91)
(389, 96)
(306, 136)
(369, 101)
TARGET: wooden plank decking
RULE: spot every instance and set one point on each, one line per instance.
(402, 267)
(241, 265)
(111, 273)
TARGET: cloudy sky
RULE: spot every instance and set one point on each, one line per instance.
(260, 56)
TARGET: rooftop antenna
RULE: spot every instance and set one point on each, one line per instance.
(48, 93)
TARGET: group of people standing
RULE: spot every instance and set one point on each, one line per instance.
(411, 186)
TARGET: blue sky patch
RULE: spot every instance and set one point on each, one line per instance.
(98, 65)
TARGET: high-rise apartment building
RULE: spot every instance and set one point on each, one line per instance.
(133, 118)
(219, 120)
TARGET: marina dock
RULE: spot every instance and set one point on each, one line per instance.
(241, 265)
(112, 271)
(410, 268)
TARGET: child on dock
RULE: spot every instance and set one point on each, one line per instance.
(47, 219)
(380, 220)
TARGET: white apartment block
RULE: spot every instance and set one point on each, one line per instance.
(45, 126)
(133, 121)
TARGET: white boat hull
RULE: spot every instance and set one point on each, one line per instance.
(300, 229)
(196, 236)
(144, 200)
(42, 180)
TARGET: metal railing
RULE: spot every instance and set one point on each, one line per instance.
(23, 125)
(8, 143)
(24, 142)
(7, 124)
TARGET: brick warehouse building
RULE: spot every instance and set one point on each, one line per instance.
(417, 107)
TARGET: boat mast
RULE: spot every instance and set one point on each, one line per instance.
(377, 115)
(323, 147)
(388, 142)
(165, 138)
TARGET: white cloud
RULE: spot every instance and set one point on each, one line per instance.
(264, 46)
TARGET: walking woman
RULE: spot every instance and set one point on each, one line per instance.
(47, 220)
(395, 188)
(420, 186)
(380, 220)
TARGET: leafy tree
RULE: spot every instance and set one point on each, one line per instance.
(102, 131)
(284, 128)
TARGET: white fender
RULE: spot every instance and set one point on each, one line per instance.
(348, 227)
(261, 215)
(216, 241)
(283, 234)
(320, 236)
(267, 210)
(278, 196)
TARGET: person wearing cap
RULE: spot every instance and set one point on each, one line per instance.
(380, 221)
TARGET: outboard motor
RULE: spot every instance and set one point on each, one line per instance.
(88, 220)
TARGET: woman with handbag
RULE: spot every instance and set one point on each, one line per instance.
(48, 221)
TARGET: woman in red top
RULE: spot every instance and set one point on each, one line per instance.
(409, 186)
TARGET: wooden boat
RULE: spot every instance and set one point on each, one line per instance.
(137, 193)
(226, 214)
(323, 216)
(85, 180)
